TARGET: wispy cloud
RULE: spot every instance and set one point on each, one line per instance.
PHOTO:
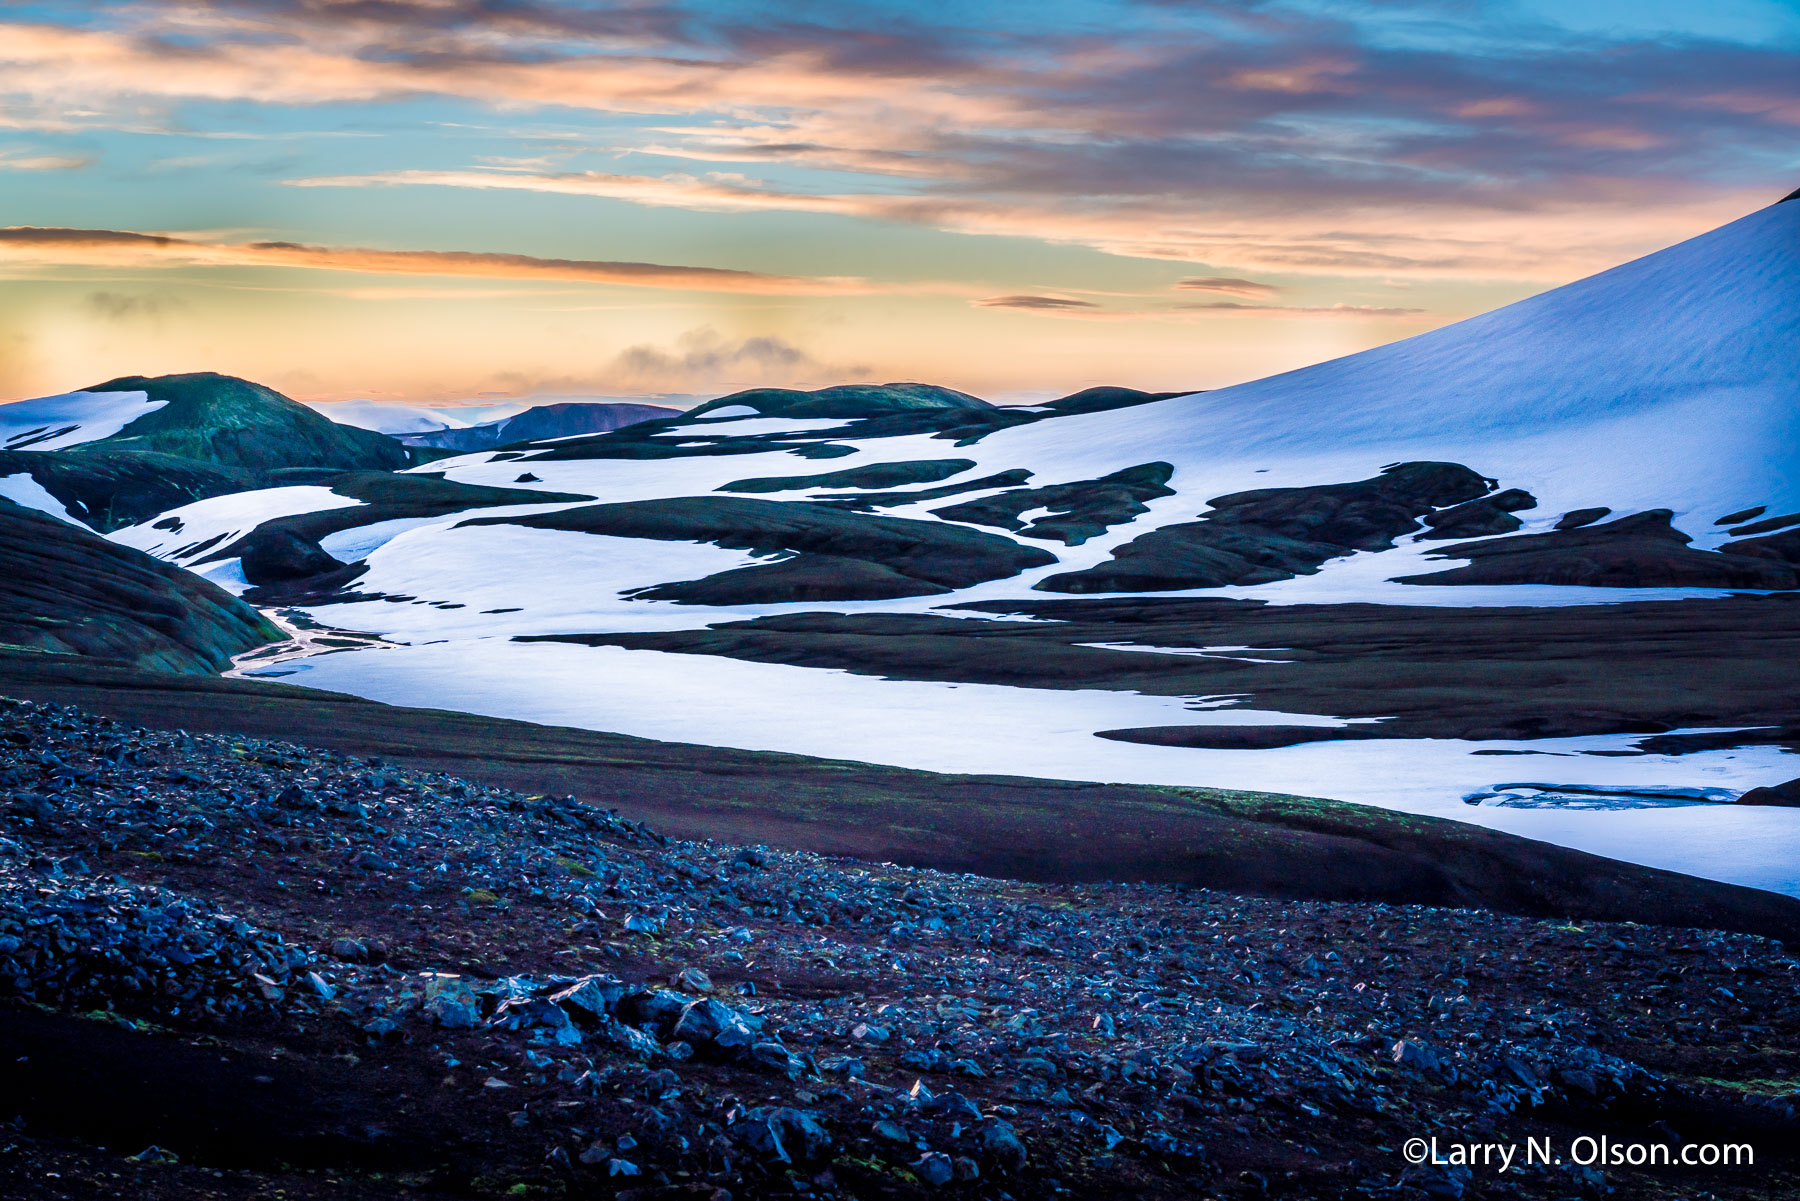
(1229, 285)
(1250, 138)
(16, 161)
(1040, 303)
(1234, 307)
(123, 306)
(703, 360)
(110, 246)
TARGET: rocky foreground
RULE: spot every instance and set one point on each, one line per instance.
(235, 967)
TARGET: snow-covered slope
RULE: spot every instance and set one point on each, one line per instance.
(27, 493)
(55, 422)
(1673, 380)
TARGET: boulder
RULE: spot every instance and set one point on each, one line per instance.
(1787, 794)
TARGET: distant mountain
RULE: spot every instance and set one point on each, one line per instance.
(387, 417)
(542, 423)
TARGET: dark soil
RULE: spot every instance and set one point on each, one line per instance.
(934, 555)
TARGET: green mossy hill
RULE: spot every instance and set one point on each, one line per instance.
(935, 555)
(66, 590)
(1640, 551)
(110, 489)
(876, 475)
(1270, 534)
(235, 423)
(1079, 510)
(844, 400)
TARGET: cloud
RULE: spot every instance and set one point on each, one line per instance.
(1050, 303)
(118, 306)
(705, 194)
(14, 161)
(111, 246)
(703, 359)
(1229, 285)
(1260, 137)
(1291, 310)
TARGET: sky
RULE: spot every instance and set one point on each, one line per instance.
(481, 201)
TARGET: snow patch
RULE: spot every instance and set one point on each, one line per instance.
(56, 422)
(996, 729)
(21, 489)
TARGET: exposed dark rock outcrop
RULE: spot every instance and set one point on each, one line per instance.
(1787, 795)
(798, 578)
(1774, 548)
(65, 589)
(1276, 533)
(1640, 551)
(1079, 510)
(863, 502)
(1477, 518)
(274, 554)
(933, 555)
(1766, 525)
(1574, 519)
(110, 489)
(875, 475)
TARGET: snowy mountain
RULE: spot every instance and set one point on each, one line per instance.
(387, 417)
(542, 422)
(1628, 437)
